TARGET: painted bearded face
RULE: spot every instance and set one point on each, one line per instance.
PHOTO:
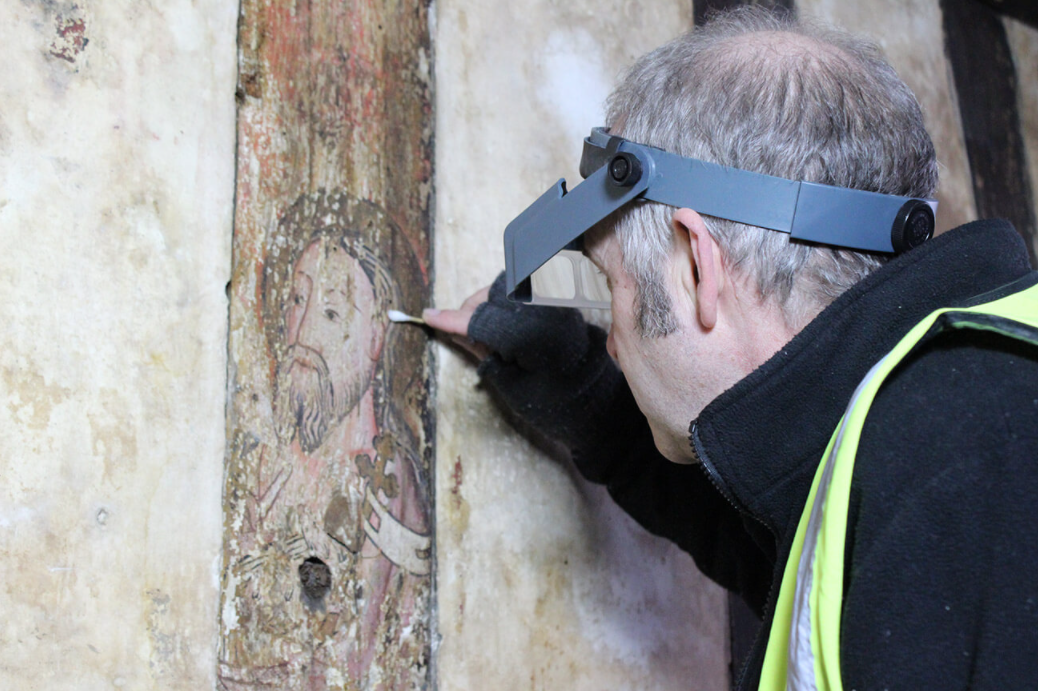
(333, 344)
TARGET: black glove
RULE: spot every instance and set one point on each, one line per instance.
(548, 365)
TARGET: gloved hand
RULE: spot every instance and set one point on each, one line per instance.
(546, 363)
(533, 338)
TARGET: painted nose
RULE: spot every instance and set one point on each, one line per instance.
(304, 328)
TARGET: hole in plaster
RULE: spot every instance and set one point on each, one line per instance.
(316, 579)
(102, 517)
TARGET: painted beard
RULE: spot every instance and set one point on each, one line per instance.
(306, 403)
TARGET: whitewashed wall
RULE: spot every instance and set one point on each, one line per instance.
(116, 180)
(543, 583)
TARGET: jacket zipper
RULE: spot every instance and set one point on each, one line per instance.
(711, 471)
(718, 482)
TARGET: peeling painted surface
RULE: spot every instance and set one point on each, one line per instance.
(71, 38)
(542, 582)
(116, 189)
(328, 523)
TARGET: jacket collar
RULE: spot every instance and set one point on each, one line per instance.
(761, 440)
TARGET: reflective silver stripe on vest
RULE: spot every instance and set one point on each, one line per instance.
(800, 671)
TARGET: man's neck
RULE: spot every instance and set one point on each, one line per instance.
(756, 330)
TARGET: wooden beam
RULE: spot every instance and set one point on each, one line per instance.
(1021, 10)
(328, 485)
(985, 80)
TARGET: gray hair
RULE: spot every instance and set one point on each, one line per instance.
(796, 100)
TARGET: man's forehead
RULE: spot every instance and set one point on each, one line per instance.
(326, 255)
(327, 263)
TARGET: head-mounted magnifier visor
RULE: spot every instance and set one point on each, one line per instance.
(543, 259)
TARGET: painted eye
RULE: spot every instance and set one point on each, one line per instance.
(332, 315)
(297, 299)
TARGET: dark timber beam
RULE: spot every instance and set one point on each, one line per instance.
(985, 79)
(1022, 10)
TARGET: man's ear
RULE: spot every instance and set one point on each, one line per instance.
(705, 269)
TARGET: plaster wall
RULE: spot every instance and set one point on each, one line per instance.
(542, 582)
(117, 142)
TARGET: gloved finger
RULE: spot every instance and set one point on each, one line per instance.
(497, 289)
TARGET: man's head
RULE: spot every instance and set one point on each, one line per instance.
(766, 93)
(334, 327)
(699, 302)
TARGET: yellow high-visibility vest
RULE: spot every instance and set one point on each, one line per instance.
(803, 650)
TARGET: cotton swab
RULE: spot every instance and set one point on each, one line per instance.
(399, 317)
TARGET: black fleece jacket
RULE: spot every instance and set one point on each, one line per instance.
(940, 586)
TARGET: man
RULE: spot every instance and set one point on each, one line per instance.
(335, 546)
(740, 351)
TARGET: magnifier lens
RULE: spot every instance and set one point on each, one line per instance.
(554, 280)
(569, 279)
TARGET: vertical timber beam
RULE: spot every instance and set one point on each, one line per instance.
(327, 575)
(985, 79)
